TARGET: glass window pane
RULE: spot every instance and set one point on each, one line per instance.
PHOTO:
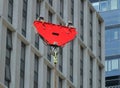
(105, 65)
(104, 6)
(7, 73)
(113, 4)
(60, 83)
(96, 6)
(21, 82)
(115, 64)
(109, 65)
(116, 35)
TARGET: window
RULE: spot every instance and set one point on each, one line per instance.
(91, 39)
(115, 64)
(105, 65)
(48, 53)
(91, 69)
(48, 77)
(24, 18)
(112, 36)
(72, 10)
(99, 41)
(103, 5)
(61, 7)
(8, 58)
(81, 67)
(36, 68)
(22, 65)
(60, 83)
(113, 4)
(38, 4)
(96, 6)
(99, 77)
(81, 30)
(60, 59)
(10, 10)
(50, 2)
(109, 65)
(37, 41)
(81, 19)
(112, 64)
(71, 61)
(116, 35)
(49, 16)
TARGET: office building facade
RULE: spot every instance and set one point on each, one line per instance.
(25, 60)
(110, 11)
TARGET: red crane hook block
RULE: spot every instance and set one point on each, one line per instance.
(53, 34)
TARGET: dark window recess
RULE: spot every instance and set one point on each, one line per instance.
(36, 68)
(71, 61)
(22, 65)
(37, 41)
(38, 5)
(112, 81)
(50, 16)
(8, 58)
(48, 53)
(60, 83)
(50, 2)
(48, 77)
(10, 10)
(24, 18)
(60, 59)
(61, 7)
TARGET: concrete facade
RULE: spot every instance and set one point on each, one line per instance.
(88, 46)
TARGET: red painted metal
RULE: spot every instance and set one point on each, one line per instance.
(53, 34)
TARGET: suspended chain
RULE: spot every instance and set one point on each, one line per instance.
(54, 54)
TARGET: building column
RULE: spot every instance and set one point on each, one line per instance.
(94, 75)
(94, 33)
(2, 52)
(14, 60)
(86, 70)
(42, 73)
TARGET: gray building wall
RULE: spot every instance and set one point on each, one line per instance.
(92, 43)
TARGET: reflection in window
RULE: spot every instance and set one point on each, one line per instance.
(116, 35)
(71, 61)
(115, 64)
(112, 43)
(105, 65)
(113, 4)
(111, 65)
(104, 6)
